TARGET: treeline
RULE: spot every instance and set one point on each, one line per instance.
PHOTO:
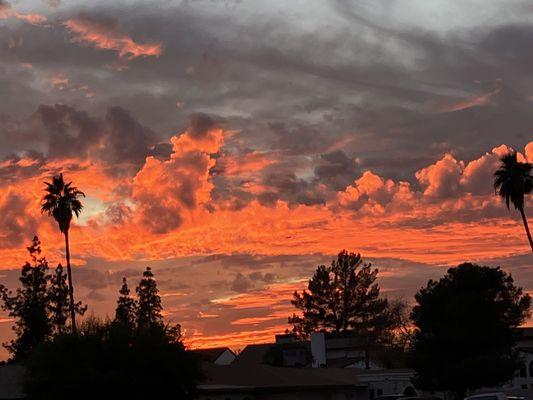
(134, 355)
(460, 335)
(40, 307)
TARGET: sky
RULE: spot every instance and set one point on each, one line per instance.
(233, 146)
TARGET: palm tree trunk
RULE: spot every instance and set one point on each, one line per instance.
(526, 226)
(70, 286)
(367, 357)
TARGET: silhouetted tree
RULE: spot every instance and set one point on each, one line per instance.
(60, 201)
(513, 181)
(107, 365)
(466, 329)
(35, 250)
(59, 301)
(125, 313)
(149, 303)
(342, 298)
(29, 306)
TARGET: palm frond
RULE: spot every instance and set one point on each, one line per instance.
(512, 180)
(61, 201)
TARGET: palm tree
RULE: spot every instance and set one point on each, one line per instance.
(513, 181)
(60, 201)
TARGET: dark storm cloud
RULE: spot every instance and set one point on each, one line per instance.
(379, 93)
(286, 186)
(246, 282)
(12, 170)
(199, 125)
(336, 170)
(118, 139)
(69, 132)
(127, 140)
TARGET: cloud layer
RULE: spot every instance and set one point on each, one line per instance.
(234, 146)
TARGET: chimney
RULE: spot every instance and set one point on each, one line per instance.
(318, 349)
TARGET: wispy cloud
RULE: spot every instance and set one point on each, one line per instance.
(106, 35)
(6, 11)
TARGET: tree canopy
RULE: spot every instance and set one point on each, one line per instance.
(125, 313)
(149, 302)
(513, 182)
(104, 364)
(465, 329)
(344, 299)
(29, 305)
(119, 358)
(341, 297)
(40, 307)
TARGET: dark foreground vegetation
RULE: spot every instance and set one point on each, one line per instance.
(135, 355)
(459, 336)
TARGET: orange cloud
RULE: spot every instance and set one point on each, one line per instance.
(374, 193)
(34, 19)
(468, 102)
(276, 298)
(529, 152)
(245, 164)
(167, 211)
(61, 82)
(6, 11)
(379, 217)
(106, 36)
(442, 178)
(165, 191)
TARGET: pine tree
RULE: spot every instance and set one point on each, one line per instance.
(29, 306)
(59, 300)
(125, 314)
(35, 250)
(149, 308)
(342, 299)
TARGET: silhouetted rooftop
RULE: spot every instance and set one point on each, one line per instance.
(264, 377)
(211, 354)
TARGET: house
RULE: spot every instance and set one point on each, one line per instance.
(282, 353)
(323, 350)
(325, 367)
(522, 383)
(216, 355)
(267, 382)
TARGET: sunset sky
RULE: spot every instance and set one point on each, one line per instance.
(234, 145)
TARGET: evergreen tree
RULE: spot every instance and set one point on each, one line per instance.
(110, 365)
(58, 295)
(125, 313)
(344, 299)
(59, 302)
(35, 250)
(149, 308)
(29, 306)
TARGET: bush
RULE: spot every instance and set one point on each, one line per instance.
(106, 360)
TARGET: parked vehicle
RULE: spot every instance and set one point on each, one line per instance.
(390, 397)
(489, 396)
